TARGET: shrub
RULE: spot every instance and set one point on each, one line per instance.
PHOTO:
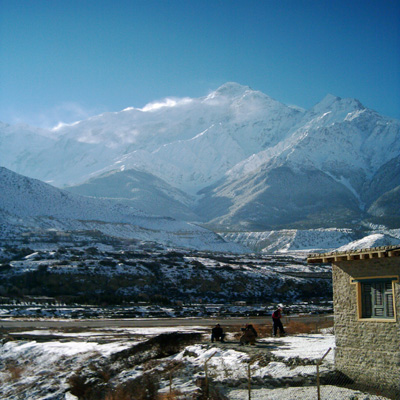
(5, 267)
(143, 388)
(108, 263)
(77, 385)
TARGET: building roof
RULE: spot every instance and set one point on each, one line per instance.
(361, 254)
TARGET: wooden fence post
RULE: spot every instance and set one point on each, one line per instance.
(170, 377)
(206, 373)
(318, 364)
(251, 361)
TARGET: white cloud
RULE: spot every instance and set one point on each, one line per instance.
(168, 102)
(65, 113)
(61, 125)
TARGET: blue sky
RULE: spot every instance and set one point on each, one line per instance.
(68, 60)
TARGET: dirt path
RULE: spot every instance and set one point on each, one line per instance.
(124, 323)
(40, 323)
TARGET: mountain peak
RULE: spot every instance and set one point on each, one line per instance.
(230, 89)
(330, 99)
(337, 104)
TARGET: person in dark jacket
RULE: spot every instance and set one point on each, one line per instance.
(276, 320)
(249, 335)
(217, 333)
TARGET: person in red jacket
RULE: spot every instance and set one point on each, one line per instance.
(276, 319)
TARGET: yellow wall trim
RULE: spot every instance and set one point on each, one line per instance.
(355, 281)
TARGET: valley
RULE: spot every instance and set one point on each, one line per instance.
(149, 280)
(212, 200)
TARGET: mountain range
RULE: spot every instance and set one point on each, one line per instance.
(235, 160)
(35, 211)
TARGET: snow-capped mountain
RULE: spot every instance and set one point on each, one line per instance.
(189, 143)
(334, 164)
(29, 205)
(234, 159)
(141, 190)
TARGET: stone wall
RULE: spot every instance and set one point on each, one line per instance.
(367, 351)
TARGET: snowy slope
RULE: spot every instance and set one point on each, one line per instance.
(339, 137)
(323, 172)
(140, 189)
(373, 240)
(29, 204)
(292, 239)
(314, 240)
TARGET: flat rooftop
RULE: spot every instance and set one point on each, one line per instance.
(360, 254)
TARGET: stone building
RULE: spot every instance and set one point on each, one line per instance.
(366, 298)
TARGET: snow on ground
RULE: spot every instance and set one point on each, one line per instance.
(311, 347)
(39, 367)
(101, 332)
(234, 363)
(49, 352)
(227, 365)
(32, 370)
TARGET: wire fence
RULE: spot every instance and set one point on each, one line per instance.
(277, 380)
(260, 379)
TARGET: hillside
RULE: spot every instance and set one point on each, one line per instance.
(141, 190)
(124, 271)
(29, 207)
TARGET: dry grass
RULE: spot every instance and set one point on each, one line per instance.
(14, 371)
(118, 395)
(174, 395)
(292, 327)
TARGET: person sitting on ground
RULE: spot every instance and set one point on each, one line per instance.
(217, 333)
(249, 335)
(276, 319)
